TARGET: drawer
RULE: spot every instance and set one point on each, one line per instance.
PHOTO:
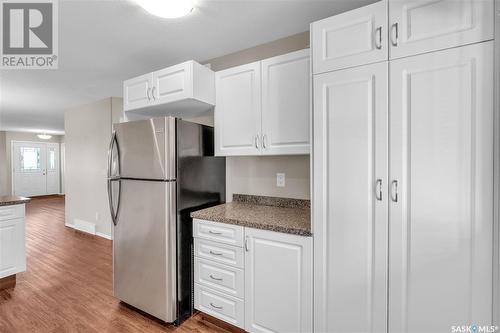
(226, 279)
(221, 253)
(218, 232)
(226, 308)
(11, 212)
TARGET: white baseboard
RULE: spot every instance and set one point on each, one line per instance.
(84, 226)
(99, 234)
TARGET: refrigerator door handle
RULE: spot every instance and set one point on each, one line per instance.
(111, 178)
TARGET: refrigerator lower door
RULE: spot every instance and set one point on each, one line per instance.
(144, 248)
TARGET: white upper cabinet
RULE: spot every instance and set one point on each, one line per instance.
(263, 108)
(420, 26)
(350, 220)
(286, 104)
(278, 282)
(238, 111)
(350, 39)
(137, 92)
(441, 210)
(185, 89)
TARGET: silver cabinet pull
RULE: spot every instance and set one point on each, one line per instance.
(257, 141)
(246, 244)
(214, 278)
(215, 253)
(378, 38)
(394, 34)
(394, 190)
(153, 93)
(147, 93)
(214, 233)
(378, 189)
(264, 141)
(215, 306)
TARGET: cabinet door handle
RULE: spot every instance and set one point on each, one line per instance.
(378, 38)
(246, 244)
(214, 278)
(147, 93)
(214, 233)
(257, 141)
(394, 34)
(153, 93)
(394, 190)
(215, 306)
(378, 189)
(264, 141)
(215, 253)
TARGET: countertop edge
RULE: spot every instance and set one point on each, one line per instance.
(276, 228)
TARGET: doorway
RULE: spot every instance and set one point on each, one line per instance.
(35, 168)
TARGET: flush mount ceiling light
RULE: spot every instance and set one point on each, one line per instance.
(167, 8)
(44, 136)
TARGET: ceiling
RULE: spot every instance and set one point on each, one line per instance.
(102, 43)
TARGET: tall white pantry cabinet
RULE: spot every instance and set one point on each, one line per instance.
(403, 174)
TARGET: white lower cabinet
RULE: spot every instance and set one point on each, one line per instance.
(263, 285)
(12, 240)
(278, 282)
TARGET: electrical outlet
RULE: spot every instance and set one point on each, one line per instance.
(97, 216)
(280, 180)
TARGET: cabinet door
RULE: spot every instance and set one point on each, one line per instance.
(350, 218)
(420, 26)
(238, 110)
(442, 204)
(286, 104)
(350, 39)
(173, 83)
(278, 282)
(12, 251)
(137, 92)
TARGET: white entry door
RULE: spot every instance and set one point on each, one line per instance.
(35, 168)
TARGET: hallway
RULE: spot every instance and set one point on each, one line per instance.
(68, 283)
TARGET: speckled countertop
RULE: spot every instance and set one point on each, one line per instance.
(9, 200)
(290, 216)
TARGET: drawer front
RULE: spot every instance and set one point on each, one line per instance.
(226, 308)
(11, 212)
(221, 253)
(226, 279)
(219, 232)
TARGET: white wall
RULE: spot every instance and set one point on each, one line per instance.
(87, 135)
(257, 175)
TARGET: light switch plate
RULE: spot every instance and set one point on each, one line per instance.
(280, 180)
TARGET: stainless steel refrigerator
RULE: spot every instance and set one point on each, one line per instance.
(159, 171)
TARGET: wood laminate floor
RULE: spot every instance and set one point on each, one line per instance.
(68, 283)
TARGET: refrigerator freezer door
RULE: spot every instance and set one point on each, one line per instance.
(146, 148)
(144, 248)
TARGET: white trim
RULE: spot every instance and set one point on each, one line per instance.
(98, 234)
(103, 235)
(496, 195)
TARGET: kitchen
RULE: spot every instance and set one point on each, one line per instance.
(340, 179)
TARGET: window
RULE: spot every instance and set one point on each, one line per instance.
(52, 159)
(30, 159)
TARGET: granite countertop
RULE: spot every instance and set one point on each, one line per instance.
(292, 216)
(9, 200)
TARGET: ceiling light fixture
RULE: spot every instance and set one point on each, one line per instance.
(44, 136)
(167, 8)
